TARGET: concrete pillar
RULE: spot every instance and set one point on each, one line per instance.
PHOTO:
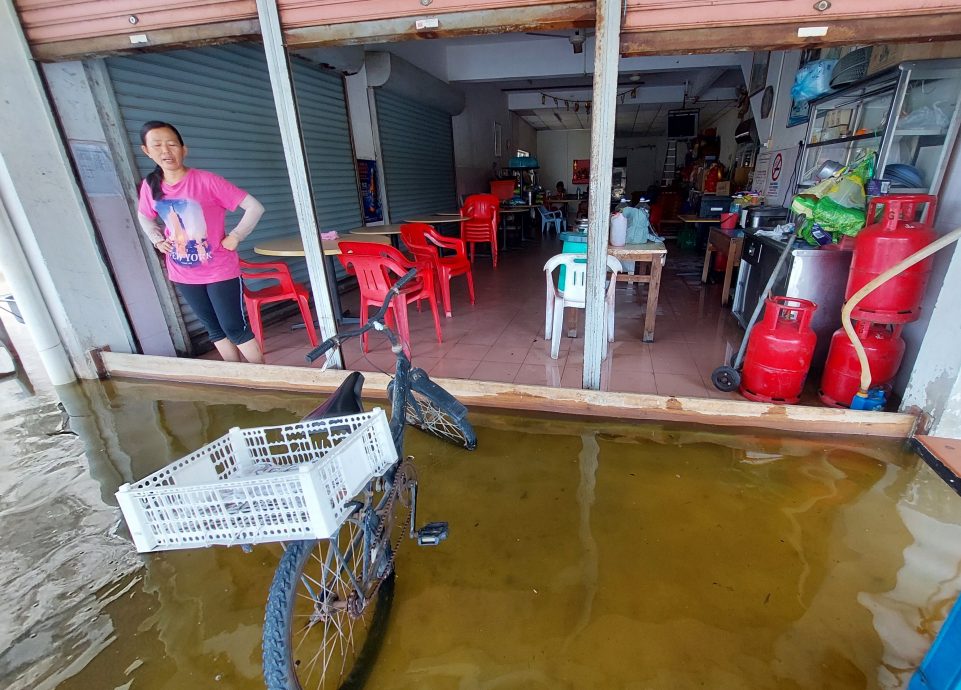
(606, 53)
(93, 129)
(48, 212)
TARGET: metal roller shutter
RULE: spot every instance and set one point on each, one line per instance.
(220, 100)
(417, 145)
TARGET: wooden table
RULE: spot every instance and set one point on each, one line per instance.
(654, 254)
(720, 241)
(293, 245)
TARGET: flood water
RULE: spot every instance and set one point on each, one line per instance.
(581, 555)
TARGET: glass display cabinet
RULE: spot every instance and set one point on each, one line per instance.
(908, 116)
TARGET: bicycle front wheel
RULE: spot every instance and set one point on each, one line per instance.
(432, 409)
(320, 630)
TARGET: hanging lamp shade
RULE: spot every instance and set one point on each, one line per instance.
(523, 163)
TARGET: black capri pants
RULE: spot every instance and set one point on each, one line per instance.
(220, 307)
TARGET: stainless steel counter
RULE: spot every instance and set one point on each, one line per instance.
(814, 273)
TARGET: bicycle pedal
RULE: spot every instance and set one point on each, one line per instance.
(432, 534)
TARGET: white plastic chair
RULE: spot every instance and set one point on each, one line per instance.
(552, 218)
(573, 295)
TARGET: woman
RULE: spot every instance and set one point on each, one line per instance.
(202, 259)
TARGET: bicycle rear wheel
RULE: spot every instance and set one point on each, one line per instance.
(319, 632)
(432, 409)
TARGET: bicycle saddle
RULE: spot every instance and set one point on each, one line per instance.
(347, 399)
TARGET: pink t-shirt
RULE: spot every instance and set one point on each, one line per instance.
(193, 212)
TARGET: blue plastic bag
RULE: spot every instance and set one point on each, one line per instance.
(812, 80)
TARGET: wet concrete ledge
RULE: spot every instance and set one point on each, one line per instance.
(508, 396)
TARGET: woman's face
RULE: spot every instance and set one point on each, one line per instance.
(164, 148)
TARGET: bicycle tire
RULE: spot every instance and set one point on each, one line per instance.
(432, 409)
(283, 657)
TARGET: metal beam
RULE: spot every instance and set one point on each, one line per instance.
(608, 23)
(281, 83)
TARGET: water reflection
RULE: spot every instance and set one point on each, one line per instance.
(582, 554)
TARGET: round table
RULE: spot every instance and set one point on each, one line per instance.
(392, 230)
(438, 219)
(293, 245)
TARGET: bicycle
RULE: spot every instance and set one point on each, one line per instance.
(328, 593)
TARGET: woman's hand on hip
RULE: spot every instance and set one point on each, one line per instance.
(230, 243)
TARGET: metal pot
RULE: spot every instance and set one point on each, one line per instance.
(765, 216)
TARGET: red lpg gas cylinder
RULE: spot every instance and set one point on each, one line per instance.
(779, 352)
(897, 234)
(841, 379)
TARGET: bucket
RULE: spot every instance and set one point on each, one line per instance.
(729, 220)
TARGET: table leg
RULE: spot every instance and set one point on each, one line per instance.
(707, 262)
(728, 271)
(653, 288)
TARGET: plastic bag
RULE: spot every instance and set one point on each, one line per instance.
(836, 218)
(937, 116)
(812, 80)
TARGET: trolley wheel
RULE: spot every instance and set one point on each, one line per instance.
(726, 379)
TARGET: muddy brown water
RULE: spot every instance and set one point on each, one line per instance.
(582, 554)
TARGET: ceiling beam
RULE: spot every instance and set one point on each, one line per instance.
(537, 100)
(704, 80)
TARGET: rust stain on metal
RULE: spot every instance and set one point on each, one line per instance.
(784, 36)
(674, 404)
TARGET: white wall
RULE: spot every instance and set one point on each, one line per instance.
(474, 157)
(556, 151)
(645, 160)
(930, 374)
(773, 130)
(361, 128)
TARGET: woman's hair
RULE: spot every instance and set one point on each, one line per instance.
(156, 177)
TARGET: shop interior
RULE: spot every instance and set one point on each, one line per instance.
(710, 148)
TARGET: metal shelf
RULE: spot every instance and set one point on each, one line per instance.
(844, 140)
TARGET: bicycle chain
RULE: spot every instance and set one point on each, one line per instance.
(402, 478)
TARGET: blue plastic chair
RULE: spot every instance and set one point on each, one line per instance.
(552, 218)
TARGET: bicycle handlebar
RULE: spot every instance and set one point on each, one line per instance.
(336, 340)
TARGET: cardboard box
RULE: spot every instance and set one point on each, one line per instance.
(723, 188)
(885, 56)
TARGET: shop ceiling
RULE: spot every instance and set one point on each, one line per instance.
(549, 85)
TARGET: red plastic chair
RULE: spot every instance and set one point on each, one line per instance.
(503, 189)
(424, 242)
(378, 267)
(483, 211)
(284, 290)
(657, 213)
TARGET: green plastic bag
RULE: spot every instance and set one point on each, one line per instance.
(837, 218)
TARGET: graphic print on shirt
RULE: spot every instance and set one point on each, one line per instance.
(186, 230)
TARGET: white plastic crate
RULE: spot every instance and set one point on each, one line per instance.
(251, 486)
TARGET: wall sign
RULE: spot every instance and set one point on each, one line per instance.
(772, 175)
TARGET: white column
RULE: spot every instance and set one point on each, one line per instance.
(604, 105)
(47, 212)
(16, 269)
(282, 85)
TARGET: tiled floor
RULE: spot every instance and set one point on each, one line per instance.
(501, 338)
